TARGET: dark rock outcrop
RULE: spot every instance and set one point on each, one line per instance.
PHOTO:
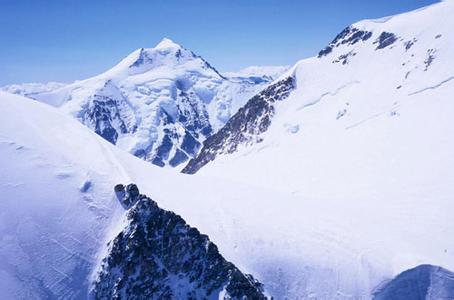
(245, 126)
(429, 59)
(422, 282)
(159, 256)
(409, 44)
(344, 58)
(385, 39)
(349, 36)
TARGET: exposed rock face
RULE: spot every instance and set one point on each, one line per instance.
(245, 126)
(422, 282)
(385, 39)
(107, 113)
(349, 36)
(159, 256)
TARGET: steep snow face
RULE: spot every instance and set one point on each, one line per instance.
(159, 103)
(363, 143)
(30, 89)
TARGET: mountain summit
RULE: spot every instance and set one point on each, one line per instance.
(158, 103)
(166, 43)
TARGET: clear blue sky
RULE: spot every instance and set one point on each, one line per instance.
(64, 40)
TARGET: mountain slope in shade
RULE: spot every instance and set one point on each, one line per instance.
(422, 282)
(158, 103)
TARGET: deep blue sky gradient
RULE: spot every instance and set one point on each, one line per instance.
(65, 40)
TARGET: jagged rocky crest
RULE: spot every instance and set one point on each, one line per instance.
(422, 282)
(352, 35)
(159, 256)
(245, 126)
(348, 36)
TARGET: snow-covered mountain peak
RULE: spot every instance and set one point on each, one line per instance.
(158, 103)
(378, 34)
(167, 57)
(166, 43)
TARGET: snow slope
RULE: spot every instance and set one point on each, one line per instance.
(56, 199)
(364, 146)
(159, 103)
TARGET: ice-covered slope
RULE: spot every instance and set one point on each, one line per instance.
(158, 103)
(364, 144)
(422, 282)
